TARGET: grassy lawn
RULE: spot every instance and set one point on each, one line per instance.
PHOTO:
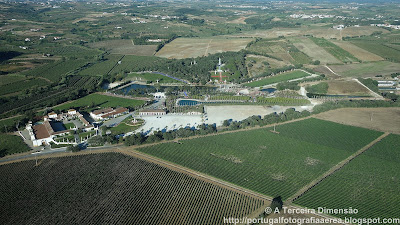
(269, 163)
(11, 144)
(123, 127)
(278, 78)
(69, 125)
(92, 101)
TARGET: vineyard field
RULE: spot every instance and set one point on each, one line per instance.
(49, 97)
(282, 101)
(369, 183)
(269, 163)
(54, 71)
(22, 85)
(112, 188)
(278, 78)
(97, 100)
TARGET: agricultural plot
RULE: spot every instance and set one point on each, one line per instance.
(270, 163)
(314, 51)
(125, 47)
(358, 52)
(103, 67)
(381, 119)
(72, 51)
(194, 47)
(132, 63)
(11, 144)
(278, 78)
(8, 79)
(334, 50)
(379, 49)
(257, 64)
(366, 69)
(282, 101)
(316, 31)
(274, 48)
(51, 97)
(300, 58)
(346, 87)
(54, 71)
(18, 86)
(369, 183)
(93, 101)
(112, 188)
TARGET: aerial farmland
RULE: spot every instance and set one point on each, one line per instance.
(199, 112)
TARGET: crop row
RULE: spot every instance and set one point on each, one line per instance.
(368, 183)
(270, 163)
(114, 189)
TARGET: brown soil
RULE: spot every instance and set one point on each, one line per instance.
(381, 119)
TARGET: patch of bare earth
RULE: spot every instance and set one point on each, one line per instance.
(381, 119)
(346, 87)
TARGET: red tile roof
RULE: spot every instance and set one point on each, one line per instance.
(40, 131)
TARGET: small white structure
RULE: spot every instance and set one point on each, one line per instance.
(72, 112)
(159, 95)
(52, 115)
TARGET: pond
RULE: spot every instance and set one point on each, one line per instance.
(188, 102)
(136, 87)
(269, 90)
(57, 126)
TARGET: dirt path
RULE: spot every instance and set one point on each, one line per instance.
(208, 46)
(376, 95)
(332, 71)
(339, 166)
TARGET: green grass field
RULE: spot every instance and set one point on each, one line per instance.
(334, 50)
(369, 183)
(152, 78)
(92, 101)
(11, 144)
(278, 78)
(266, 162)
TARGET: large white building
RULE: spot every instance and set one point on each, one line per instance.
(108, 113)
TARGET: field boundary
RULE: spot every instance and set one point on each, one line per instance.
(334, 169)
